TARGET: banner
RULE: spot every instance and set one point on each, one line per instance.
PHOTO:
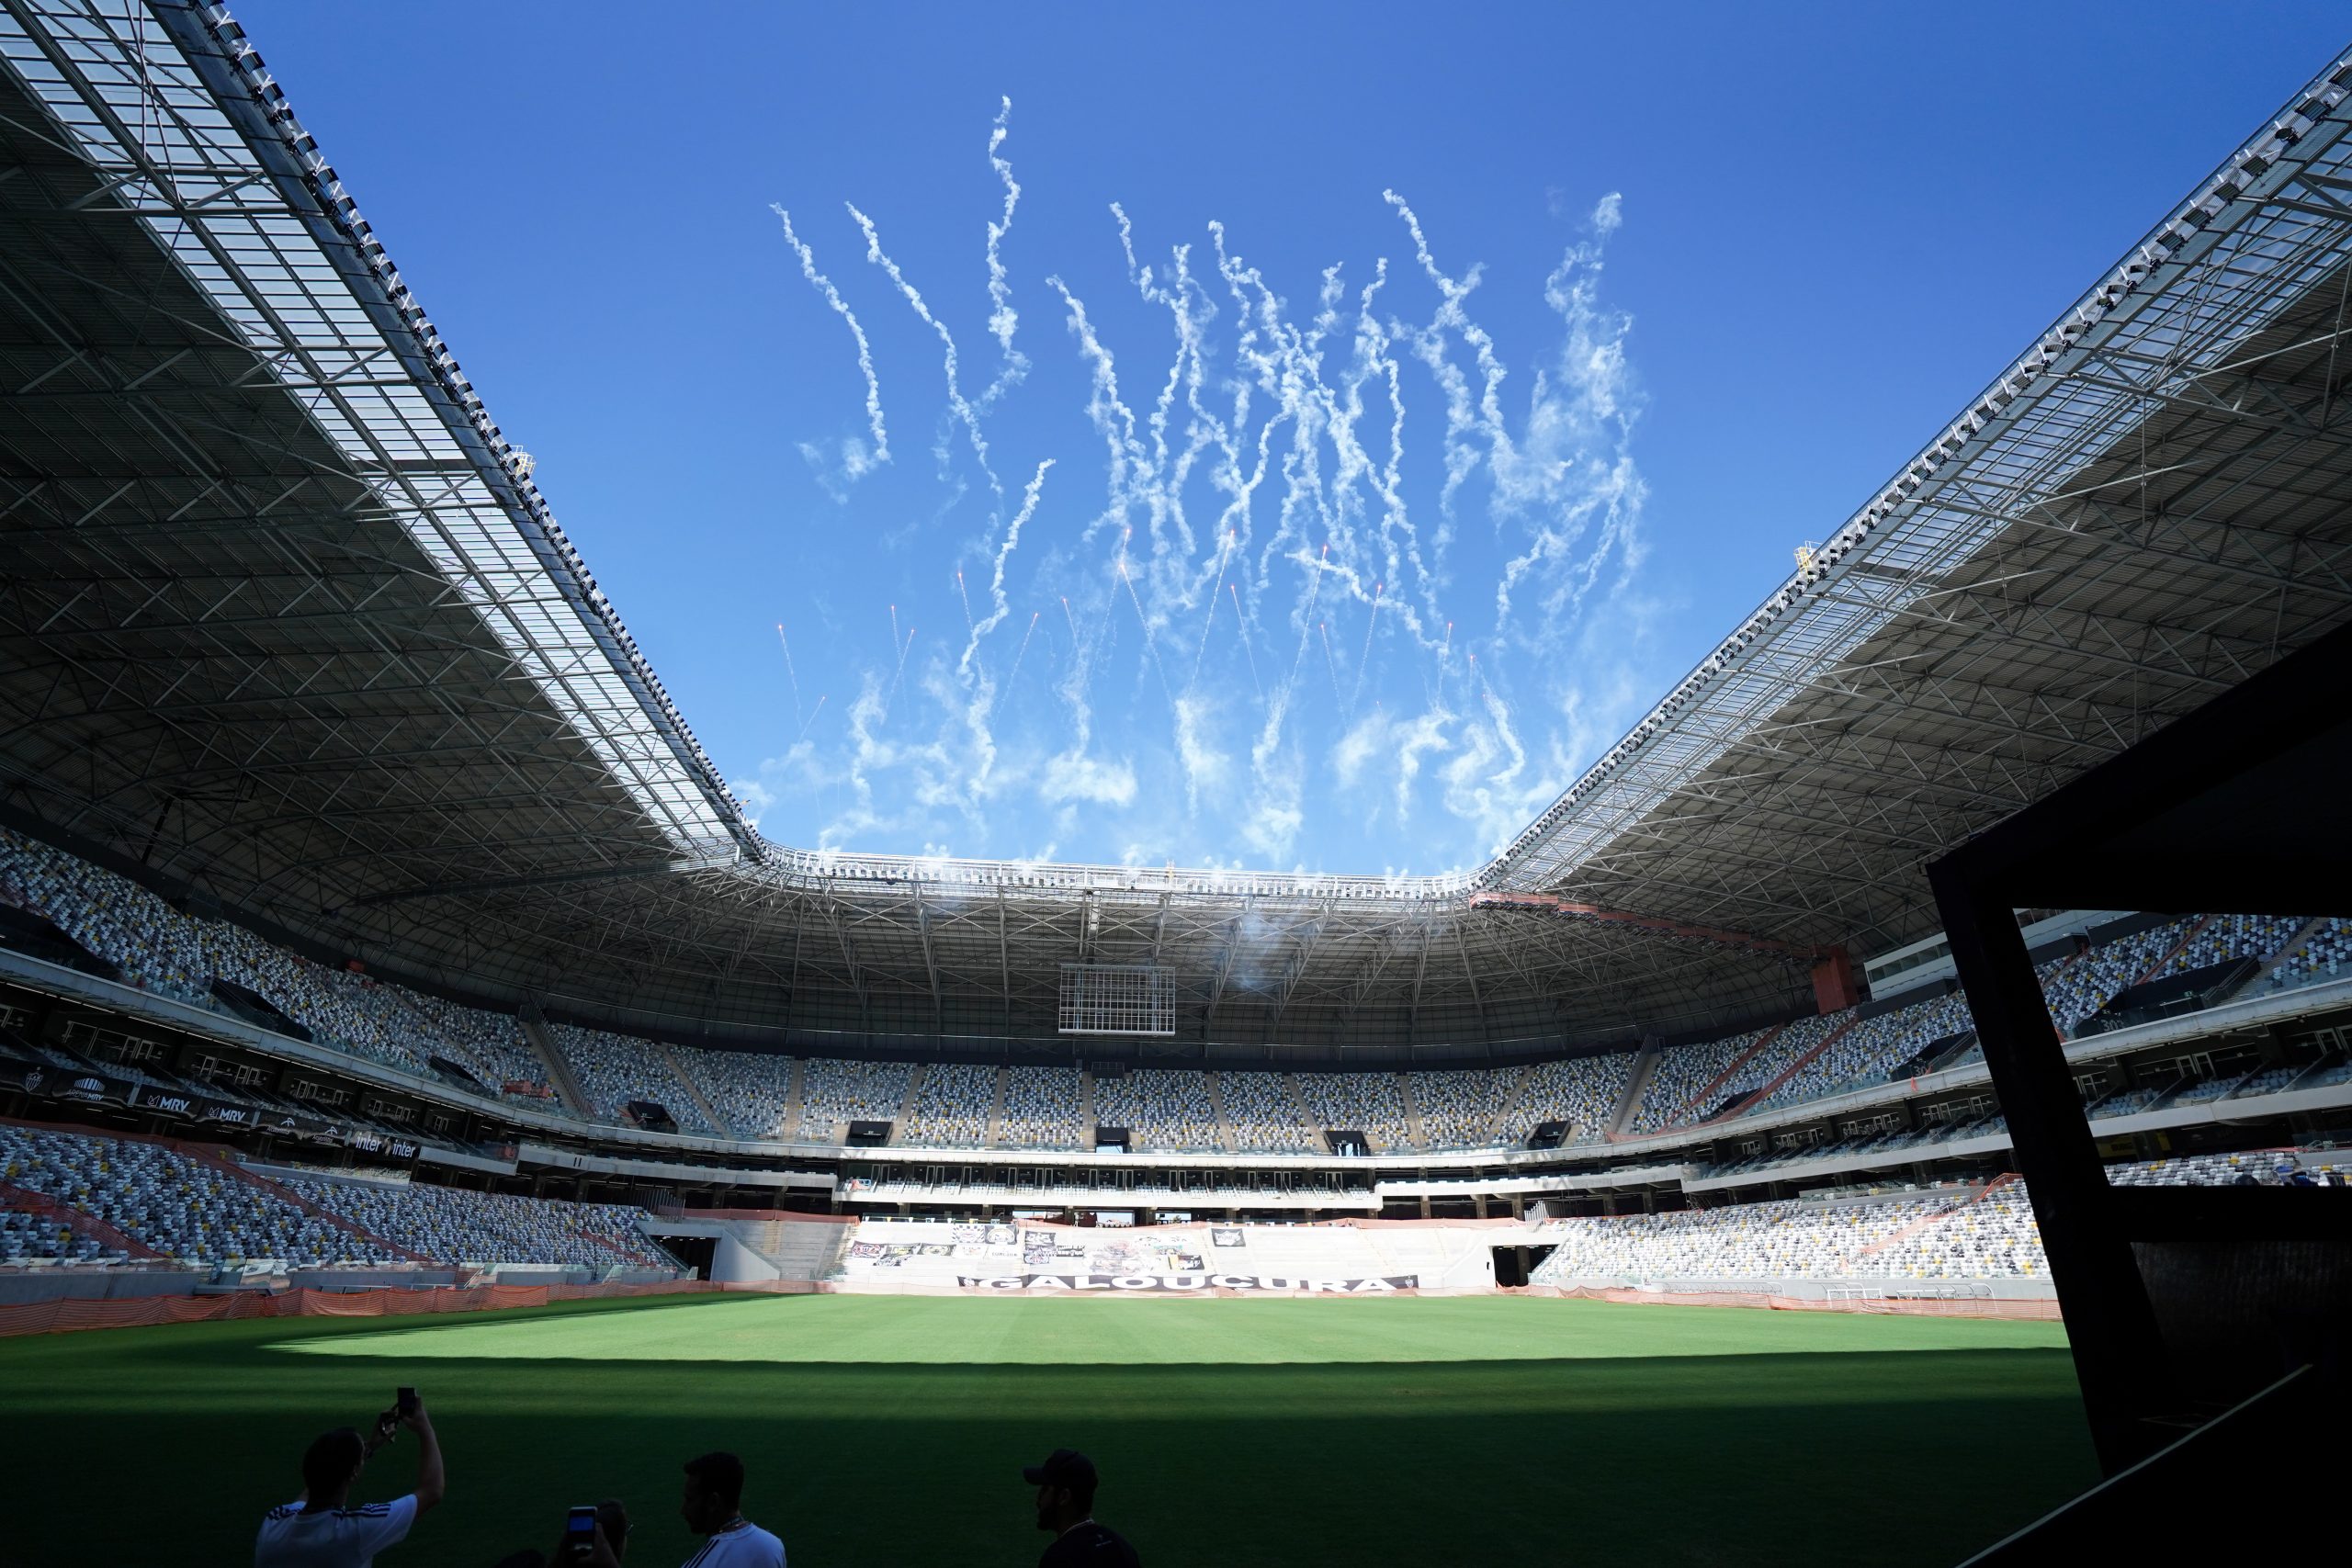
(1181, 1283)
(67, 1083)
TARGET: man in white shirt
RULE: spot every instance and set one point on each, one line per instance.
(714, 1508)
(321, 1529)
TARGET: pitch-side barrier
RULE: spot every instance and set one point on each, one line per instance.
(2027, 1309)
(67, 1315)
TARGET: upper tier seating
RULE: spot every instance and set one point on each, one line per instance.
(1042, 1111)
(1458, 1108)
(613, 1069)
(1370, 1103)
(753, 1089)
(1160, 1108)
(2325, 954)
(1583, 1091)
(1682, 1075)
(952, 1106)
(2227, 936)
(1264, 1114)
(833, 1094)
(2081, 988)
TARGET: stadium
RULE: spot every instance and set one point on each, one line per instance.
(377, 939)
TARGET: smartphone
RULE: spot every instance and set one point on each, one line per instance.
(580, 1531)
(404, 1402)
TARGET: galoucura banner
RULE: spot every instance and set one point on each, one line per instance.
(1188, 1283)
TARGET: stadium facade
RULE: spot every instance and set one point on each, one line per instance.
(344, 813)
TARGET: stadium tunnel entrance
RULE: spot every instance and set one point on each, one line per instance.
(1516, 1265)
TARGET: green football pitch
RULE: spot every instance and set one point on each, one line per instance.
(890, 1429)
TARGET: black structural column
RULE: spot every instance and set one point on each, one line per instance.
(2118, 1351)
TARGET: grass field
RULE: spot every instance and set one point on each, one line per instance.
(892, 1429)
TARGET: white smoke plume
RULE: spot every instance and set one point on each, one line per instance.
(857, 461)
(1284, 477)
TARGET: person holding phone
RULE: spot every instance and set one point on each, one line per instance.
(321, 1528)
(594, 1537)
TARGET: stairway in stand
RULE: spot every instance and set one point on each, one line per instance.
(907, 1103)
(718, 1123)
(1785, 1074)
(541, 1039)
(1412, 1111)
(996, 1107)
(1706, 1096)
(790, 1131)
(1507, 1113)
(1638, 1083)
(1216, 1103)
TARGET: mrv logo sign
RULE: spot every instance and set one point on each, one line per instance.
(1187, 1282)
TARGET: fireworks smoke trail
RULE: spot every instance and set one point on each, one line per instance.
(1309, 393)
(810, 719)
(894, 628)
(1077, 646)
(1366, 661)
(1235, 590)
(999, 607)
(955, 401)
(853, 464)
(1024, 649)
(1002, 317)
(899, 673)
(1208, 621)
(790, 673)
(1150, 643)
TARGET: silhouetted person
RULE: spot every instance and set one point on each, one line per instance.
(1065, 1484)
(321, 1529)
(610, 1545)
(714, 1508)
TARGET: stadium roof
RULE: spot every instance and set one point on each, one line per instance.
(285, 620)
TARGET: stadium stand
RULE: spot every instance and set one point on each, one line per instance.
(491, 1044)
(1264, 1114)
(200, 1212)
(1370, 1103)
(1684, 1073)
(834, 1093)
(1787, 1239)
(1160, 1108)
(753, 1090)
(1581, 1091)
(2226, 937)
(2324, 955)
(2080, 989)
(952, 1106)
(452, 1225)
(170, 952)
(1042, 1110)
(179, 1205)
(1458, 1108)
(616, 1069)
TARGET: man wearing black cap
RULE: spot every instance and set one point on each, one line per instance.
(1065, 1484)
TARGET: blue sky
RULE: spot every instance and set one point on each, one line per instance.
(1666, 294)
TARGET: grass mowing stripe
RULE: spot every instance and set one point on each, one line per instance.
(1701, 1435)
(1135, 1331)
